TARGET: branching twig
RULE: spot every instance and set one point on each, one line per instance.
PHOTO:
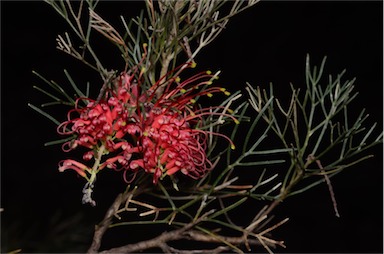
(158, 241)
(328, 181)
(102, 227)
(186, 234)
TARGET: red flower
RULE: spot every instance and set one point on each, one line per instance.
(170, 145)
(137, 129)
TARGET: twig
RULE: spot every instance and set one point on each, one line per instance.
(212, 251)
(159, 241)
(328, 181)
(102, 227)
(105, 86)
(187, 234)
(235, 240)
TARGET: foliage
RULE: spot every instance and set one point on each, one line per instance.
(317, 136)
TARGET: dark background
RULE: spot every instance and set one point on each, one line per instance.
(43, 211)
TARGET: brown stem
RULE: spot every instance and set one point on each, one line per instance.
(102, 227)
(311, 157)
(105, 86)
(183, 233)
(158, 241)
(235, 240)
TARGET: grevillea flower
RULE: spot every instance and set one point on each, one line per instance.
(133, 128)
(101, 122)
(170, 145)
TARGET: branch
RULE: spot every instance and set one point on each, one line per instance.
(235, 240)
(187, 234)
(159, 241)
(102, 227)
(211, 251)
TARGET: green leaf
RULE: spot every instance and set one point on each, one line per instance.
(44, 113)
(78, 91)
(60, 141)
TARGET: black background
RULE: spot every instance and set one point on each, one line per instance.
(265, 44)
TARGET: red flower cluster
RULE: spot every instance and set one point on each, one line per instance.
(137, 130)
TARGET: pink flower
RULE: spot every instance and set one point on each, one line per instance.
(77, 166)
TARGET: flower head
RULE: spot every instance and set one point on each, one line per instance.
(169, 145)
(136, 128)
